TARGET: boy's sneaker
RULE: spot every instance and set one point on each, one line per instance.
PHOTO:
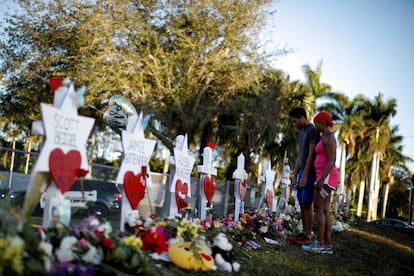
(305, 240)
(300, 236)
(314, 247)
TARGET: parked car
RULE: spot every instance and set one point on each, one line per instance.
(15, 198)
(396, 224)
(99, 197)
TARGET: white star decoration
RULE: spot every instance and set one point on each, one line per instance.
(63, 127)
(137, 150)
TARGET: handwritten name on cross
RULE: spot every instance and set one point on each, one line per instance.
(66, 134)
(180, 186)
(137, 151)
(206, 172)
(240, 187)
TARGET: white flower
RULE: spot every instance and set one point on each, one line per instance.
(133, 220)
(65, 252)
(16, 241)
(264, 229)
(148, 222)
(47, 248)
(94, 222)
(93, 256)
(106, 228)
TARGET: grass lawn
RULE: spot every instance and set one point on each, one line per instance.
(360, 250)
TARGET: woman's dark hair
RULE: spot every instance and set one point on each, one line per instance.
(297, 112)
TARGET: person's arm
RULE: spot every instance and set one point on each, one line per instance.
(295, 171)
(330, 144)
(308, 165)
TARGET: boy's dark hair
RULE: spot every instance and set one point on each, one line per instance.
(298, 112)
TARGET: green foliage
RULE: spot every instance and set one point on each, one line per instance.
(19, 245)
(178, 60)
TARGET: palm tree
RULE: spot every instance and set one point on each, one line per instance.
(377, 136)
(316, 88)
(393, 159)
(358, 164)
(346, 115)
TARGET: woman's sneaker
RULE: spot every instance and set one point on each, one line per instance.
(314, 247)
(328, 249)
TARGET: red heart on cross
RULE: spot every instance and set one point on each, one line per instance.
(209, 188)
(269, 198)
(242, 189)
(64, 168)
(55, 82)
(134, 187)
(181, 190)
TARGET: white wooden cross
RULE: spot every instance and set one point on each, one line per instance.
(205, 170)
(240, 187)
(267, 189)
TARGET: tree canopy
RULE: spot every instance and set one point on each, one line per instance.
(177, 60)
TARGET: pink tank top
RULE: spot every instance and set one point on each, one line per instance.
(321, 161)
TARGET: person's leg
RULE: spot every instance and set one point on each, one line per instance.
(307, 197)
(307, 218)
(320, 217)
(328, 222)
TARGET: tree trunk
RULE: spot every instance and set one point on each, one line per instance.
(372, 183)
(360, 197)
(342, 169)
(385, 199)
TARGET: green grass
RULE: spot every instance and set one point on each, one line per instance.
(360, 250)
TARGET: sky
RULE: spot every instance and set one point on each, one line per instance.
(366, 47)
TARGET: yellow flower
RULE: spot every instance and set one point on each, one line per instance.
(162, 224)
(133, 241)
(216, 224)
(4, 243)
(182, 223)
(193, 230)
(14, 252)
(180, 231)
(239, 227)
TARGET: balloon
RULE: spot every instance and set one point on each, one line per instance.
(119, 110)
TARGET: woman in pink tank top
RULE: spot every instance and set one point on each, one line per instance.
(327, 177)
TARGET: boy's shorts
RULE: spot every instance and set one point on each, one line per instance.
(305, 194)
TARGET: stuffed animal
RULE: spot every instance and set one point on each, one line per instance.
(190, 256)
(222, 254)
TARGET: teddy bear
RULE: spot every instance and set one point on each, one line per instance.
(221, 252)
(190, 256)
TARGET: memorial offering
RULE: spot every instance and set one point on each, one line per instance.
(180, 184)
(134, 172)
(207, 182)
(240, 187)
(63, 156)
